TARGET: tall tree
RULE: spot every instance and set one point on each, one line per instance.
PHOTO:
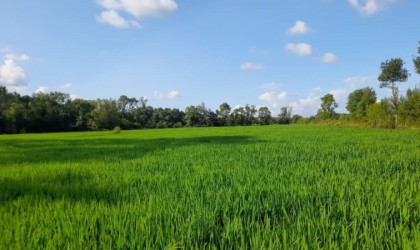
(416, 61)
(358, 102)
(264, 116)
(285, 116)
(223, 113)
(328, 106)
(393, 71)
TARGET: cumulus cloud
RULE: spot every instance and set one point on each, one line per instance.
(370, 7)
(330, 58)
(12, 75)
(251, 66)
(300, 28)
(42, 90)
(301, 49)
(112, 18)
(306, 106)
(135, 8)
(274, 98)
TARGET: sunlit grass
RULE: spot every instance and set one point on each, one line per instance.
(223, 188)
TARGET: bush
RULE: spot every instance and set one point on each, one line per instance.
(116, 130)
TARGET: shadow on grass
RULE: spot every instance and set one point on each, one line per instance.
(61, 151)
(68, 185)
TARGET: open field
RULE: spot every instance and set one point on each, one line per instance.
(266, 187)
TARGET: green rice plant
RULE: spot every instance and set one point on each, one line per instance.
(271, 187)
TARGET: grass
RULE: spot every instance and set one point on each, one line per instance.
(272, 187)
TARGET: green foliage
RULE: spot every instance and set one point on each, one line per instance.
(358, 102)
(328, 106)
(116, 130)
(285, 116)
(416, 61)
(259, 187)
(264, 116)
(380, 115)
(409, 109)
(393, 71)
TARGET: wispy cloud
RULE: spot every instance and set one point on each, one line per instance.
(251, 66)
(301, 49)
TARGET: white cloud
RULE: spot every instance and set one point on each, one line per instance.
(330, 58)
(135, 8)
(316, 89)
(299, 28)
(251, 66)
(12, 74)
(14, 57)
(306, 106)
(42, 89)
(301, 49)
(274, 98)
(112, 18)
(370, 7)
(67, 86)
(340, 96)
(173, 95)
(357, 80)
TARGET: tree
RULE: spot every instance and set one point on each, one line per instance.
(417, 61)
(409, 109)
(393, 71)
(223, 114)
(379, 115)
(285, 116)
(358, 102)
(328, 106)
(264, 116)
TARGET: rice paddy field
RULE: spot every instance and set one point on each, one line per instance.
(271, 187)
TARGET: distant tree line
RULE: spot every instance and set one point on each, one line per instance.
(55, 111)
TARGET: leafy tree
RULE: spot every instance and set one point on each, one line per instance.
(105, 115)
(285, 116)
(223, 114)
(83, 110)
(264, 116)
(409, 109)
(358, 102)
(417, 61)
(393, 71)
(379, 115)
(328, 106)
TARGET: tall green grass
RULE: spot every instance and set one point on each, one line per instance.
(274, 187)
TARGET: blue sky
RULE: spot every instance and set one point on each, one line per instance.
(179, 53)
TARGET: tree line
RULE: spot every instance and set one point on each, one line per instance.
(363, 107)
(55, 111)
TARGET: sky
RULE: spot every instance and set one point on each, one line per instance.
(179, 53)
